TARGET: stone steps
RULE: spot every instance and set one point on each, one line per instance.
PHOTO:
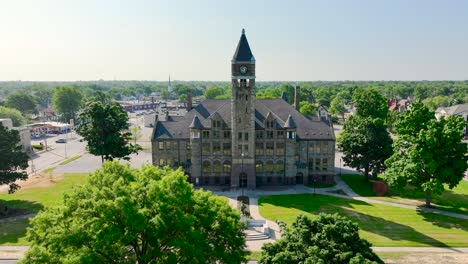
(251, 235)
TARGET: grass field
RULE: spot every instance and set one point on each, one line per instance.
(33, 200)
(455, 200)
(382, 225)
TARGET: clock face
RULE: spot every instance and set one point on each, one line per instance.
(243, 69)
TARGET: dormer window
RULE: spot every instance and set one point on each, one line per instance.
(270, 124)
(291, 134)
(216, 123)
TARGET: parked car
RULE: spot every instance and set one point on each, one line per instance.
(62, 140)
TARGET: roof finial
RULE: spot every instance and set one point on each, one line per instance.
(243, 31)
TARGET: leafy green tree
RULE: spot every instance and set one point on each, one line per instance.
(67, 101)
(214, 92)
(43, 95)
(125, 215)
(104, 125)
(13, 160)
(438, 101)
(428, 152)
(326, 239)
(22, 101)
(366, 144)
(269, 93)
(182, 98)
(307, 109)
(13, 114)
(370, 103)
(337, 106)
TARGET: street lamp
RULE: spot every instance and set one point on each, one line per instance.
(242, 173)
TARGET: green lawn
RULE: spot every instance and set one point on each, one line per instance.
(386, 256)
(33, 200)
(382, 225)
(14, 233)
(455, 200)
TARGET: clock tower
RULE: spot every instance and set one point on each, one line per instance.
(243, 116)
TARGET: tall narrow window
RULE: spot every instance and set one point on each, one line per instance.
(206, 149)
(324, 164)
(259, 166)
(216, 148)
(206, 166)
(227, 166)
(279, 167)
(227, 148)
(217, 168)
(279, 148)
(161, 145)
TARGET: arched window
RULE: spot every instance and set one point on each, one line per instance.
(217, 168)
(227, 166)
(259, 166)
(269, 168)
(206, 166)
(279, 167)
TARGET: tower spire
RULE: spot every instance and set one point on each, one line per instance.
(243, 52)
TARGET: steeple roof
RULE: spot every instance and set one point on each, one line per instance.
(290, 122)
(243, 52)
(196, 123)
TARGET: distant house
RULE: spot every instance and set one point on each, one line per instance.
(398, 105)
(460, 109)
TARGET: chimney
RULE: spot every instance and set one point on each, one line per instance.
(297, 95)
(189, 100)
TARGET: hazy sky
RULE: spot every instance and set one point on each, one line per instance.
(195, 40)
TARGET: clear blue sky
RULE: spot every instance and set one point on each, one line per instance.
(195, 40)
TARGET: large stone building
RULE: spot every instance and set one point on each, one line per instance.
(244, 141)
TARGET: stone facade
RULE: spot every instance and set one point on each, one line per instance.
(246, 142)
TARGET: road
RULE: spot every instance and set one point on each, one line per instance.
(59, 152)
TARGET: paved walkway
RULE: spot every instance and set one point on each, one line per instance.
(341, 185)
(15, 218)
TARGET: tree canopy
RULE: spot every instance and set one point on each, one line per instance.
(370, 102)
(307, 109)
(14, 115)
(22, 101)
(104, 125)
(126, 215)
(366, 144)
(67, 101)
(326, 239)
(13, 160)
(428, 152)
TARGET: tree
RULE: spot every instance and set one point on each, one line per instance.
(22, 101)
(307, 109)
(337, 106)
(366, 144)
(125, 215)
(104, 125)
(213, 92)
(13, 160)
(428, 152)
(67, 101)
(371, 103)
(289, 90)
(14, 115)
(325, 239)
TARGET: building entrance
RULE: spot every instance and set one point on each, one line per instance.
(243, 180)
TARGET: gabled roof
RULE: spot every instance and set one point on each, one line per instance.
(290, 123)
(196, 123)
(243, 52)
(281, 111)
